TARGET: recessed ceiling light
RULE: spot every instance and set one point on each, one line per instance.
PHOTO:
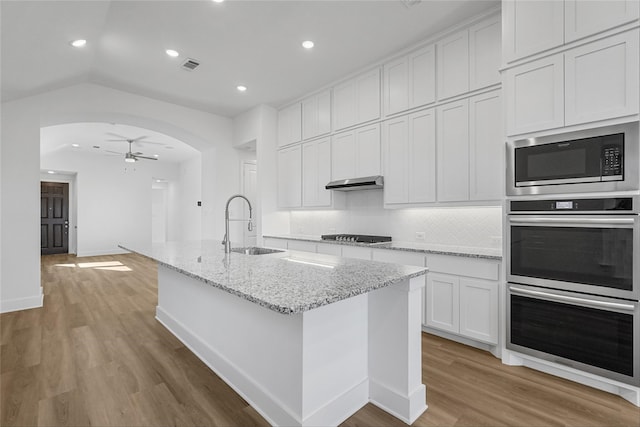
(156, 155)
(75, 145)
(172, 53)
(241, 88)
(51, 172)
(307, 44)
(78, 43)
(218, 1)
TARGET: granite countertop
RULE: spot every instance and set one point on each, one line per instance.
(288, 282)
(464, 251)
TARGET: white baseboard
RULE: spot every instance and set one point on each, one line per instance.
(18, 304)
(397, 403)
(114, 251)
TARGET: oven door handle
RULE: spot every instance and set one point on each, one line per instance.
(575, 300)
(586, 221)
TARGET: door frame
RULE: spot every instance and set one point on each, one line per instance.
(67, 178)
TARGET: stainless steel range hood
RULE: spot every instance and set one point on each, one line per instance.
(364, 183)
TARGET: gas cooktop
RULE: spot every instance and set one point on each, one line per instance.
(357, 238)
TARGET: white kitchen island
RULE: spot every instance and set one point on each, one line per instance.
(306, 339)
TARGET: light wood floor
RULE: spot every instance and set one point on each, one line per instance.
(95, 355)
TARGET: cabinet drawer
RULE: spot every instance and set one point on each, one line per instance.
(356, 252)
(464, 266)
(329, 249)
(274, 243)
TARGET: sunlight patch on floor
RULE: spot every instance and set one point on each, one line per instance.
(103, 265)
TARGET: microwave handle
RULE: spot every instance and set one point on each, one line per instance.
(588, 221)
(574, 300)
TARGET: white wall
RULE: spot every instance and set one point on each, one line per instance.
(20, 174)
(184, 193)
(113, 199)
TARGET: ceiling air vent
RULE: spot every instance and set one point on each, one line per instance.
(190, 64)
(409, 3)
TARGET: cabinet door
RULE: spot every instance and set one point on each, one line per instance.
(453, 65)
(531, 26)
(316, 173)
(453, 152)
(289, 177)
(396, 158)
(290, 125)
(343, 155)
(422, 157)
(486, 147)
(602, 79)
(368, 96)
(584, 18)
(422, 76)
(485, 53)
(344, 105)
(479, 310)
(316, 115)
(367, 151)
(442, 302)
(396, 86)
(535, 96)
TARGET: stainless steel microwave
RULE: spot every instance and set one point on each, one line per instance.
(593, 160)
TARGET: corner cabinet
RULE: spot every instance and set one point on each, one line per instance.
(462, 297)
(357, 100)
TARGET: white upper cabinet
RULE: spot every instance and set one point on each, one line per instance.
(584, 18)
(356, 153)
(290, 125)
(453, 65)
(357, 100)
(316, 173)
(602, 79)
(289, 174)
(485, 53)
(531, 26)
(486, 147)
(535, 95)
(409, 82)
(409, 147)
(453, 151)
(316, 115)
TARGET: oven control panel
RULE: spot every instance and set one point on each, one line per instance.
(616, 204)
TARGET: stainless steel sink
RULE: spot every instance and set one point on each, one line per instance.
(254, 250)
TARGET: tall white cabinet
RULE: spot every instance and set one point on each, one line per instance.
(453, 151)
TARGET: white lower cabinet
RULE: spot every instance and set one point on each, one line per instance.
(462, 297)
(301, 245)
(356, 252)
(269, 242)
(329, 249)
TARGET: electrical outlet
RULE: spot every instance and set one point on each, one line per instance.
(420, 235)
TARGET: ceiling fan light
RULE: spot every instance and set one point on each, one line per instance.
(129, 159)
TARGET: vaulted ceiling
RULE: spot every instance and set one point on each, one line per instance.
(252, 43)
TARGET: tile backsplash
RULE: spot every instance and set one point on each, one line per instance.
(457, 226)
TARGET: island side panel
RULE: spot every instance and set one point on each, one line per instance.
(258, 352)
(335, 361)
(395, 349)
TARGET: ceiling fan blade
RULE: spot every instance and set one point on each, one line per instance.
(144, 157)
(114, 152)
(124, 138)
(137, 139)
(149, 142)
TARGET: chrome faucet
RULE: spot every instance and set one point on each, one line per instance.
(226, 242)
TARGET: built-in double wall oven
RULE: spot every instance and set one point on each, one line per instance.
(573, 262)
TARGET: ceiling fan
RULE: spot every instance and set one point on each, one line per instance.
(130, 156)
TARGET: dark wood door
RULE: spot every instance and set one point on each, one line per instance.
(54, 218)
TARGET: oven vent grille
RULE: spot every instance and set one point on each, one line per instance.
(190, 64)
